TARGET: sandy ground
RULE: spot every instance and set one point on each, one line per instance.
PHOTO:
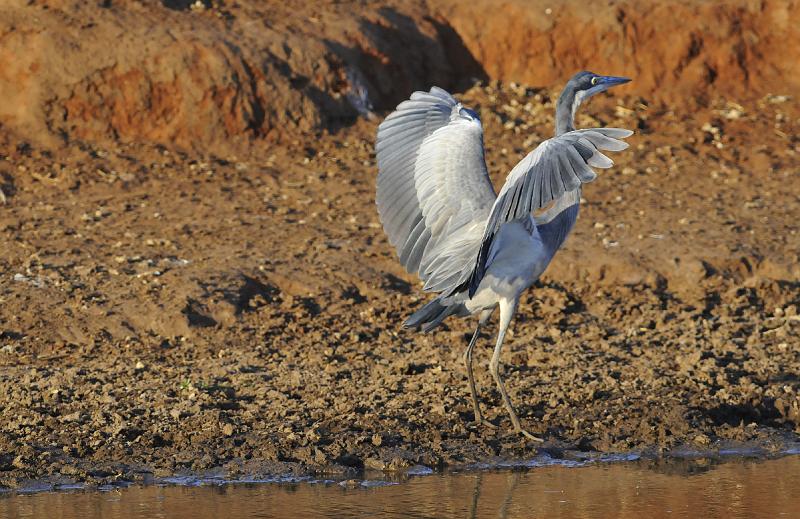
(165, 311)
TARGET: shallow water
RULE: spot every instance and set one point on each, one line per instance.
(684, 488)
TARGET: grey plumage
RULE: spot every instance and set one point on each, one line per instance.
(430, 211)
(478, 249)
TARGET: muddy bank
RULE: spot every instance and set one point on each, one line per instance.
(165, 311)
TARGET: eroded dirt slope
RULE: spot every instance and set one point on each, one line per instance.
(682, 52)
(230, 74)
(205, 77)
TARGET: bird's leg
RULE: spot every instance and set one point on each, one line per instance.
(507, 309)
(468, 363)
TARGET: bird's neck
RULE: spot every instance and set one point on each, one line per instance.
(567, 105)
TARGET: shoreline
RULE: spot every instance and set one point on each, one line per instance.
(366, 478)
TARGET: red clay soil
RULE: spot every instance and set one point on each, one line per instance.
(218, 77)
(193, 275)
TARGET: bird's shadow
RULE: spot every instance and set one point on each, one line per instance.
(183, 5)
(763, 413)
(244, 293)
(396, 284)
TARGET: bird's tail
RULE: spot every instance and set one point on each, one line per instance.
(431, 315)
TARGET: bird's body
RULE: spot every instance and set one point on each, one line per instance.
(517, 259)
(479, 250)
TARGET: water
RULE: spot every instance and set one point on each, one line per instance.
(687, 488)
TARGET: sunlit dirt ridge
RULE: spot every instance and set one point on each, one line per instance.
(225, 72)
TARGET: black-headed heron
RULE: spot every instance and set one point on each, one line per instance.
(480, 250)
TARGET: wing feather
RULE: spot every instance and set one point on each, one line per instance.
(554, 171)
(433, 190)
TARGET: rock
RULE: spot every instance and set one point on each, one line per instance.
(374, 464)
(72, 417)
(702, 440)
(20, 462)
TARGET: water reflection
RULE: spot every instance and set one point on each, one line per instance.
(509, 493)
(687, 488)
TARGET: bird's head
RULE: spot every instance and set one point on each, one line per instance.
(580, 87)
(590, 83)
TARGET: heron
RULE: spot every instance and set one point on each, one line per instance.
(477, 249)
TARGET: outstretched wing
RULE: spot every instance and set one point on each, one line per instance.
(557, 167)
(433, 193)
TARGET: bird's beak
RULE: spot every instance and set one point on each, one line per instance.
(606, 82)
(613, 80)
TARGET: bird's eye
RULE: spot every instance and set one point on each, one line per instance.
(595, 79)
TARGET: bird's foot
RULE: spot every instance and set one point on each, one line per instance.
(485, 423)
(480, 420)
(528, 435)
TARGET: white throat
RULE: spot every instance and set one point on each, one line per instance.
(579, 97)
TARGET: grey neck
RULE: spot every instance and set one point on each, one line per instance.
(567, 105)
